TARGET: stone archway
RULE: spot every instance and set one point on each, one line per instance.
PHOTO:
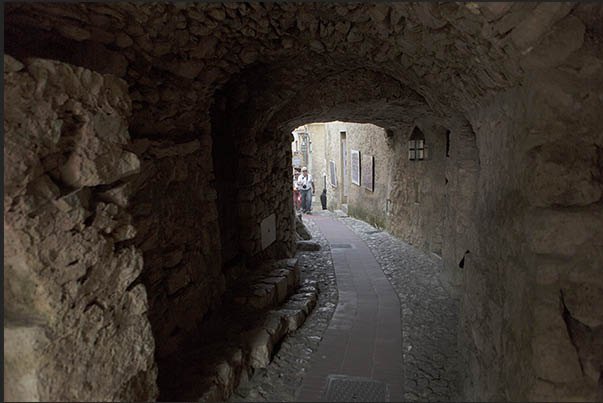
(515, 83)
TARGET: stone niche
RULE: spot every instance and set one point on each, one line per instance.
(74, 312)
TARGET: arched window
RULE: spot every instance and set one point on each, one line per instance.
(416, 145)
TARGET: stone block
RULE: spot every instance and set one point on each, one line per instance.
(290, 263)
(308, 289)
(178, 150)
(118, 195)
(305, 302)
(495, 10)
(276, 325)
(173, 257)
(22, 360)
(583, 301)
(211, 393)
(301, 229)
(529, 31)
(555, 358)
(124, 233)
(12, 65)
(296, 275)
(308, 246)
(258, 343)
(294, 317)
(225, 374)
(44, 188)
(263, 295)
(563, 40)
(280, 283)
(559, 232)
(84, 168)
(289, 276)
(177, 280)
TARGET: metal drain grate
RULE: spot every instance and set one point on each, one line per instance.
(341, 246)
(351, 389)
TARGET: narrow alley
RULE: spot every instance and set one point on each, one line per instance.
(446, 160)
(392, 336)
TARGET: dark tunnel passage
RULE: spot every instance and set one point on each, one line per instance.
(148, 165)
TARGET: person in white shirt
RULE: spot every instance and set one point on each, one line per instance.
(296, 193)
(305, 184)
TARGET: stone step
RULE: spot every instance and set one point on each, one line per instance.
(256, 346)
(308, 245)
(269, 288)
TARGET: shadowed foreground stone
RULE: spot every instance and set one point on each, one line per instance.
(308, 246)
(242, 337)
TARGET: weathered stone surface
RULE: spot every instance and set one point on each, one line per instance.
(557, 46)
(263, 295)
(260, 347)
(307, 245)
(527, 33)
(295, 318)
(561, 175)
(118, 195)
(280, 284)
(300, 229)
(238, 79)
(22, 360)
(283, 377)
(11, 64)
(74, 315)
(276, 326)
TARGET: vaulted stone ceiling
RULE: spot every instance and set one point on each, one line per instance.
(441, 56)
(216, 88)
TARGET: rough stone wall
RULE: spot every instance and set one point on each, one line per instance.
(539, 202)
(543, 210)
(417, 188)
(391, 65)
(261, 185)
(333, 153)
(265, 189)
(319, 159)
(76, 324)
(369, 140)
(178, 233)
(460, 199)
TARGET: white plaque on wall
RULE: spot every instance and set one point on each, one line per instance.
(333, 172)
(355, 167)
(268, 231)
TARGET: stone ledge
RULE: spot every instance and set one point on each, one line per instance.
(265, 305)
(258, 346)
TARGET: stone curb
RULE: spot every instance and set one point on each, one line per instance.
(257, 345)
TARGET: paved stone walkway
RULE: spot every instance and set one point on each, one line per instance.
(428, 362)
(364, 337)
(429, 315)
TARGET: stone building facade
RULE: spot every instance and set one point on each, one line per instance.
(146, 143)
(404, 196)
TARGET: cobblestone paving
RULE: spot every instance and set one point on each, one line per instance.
(428, 315)
(283, 377)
